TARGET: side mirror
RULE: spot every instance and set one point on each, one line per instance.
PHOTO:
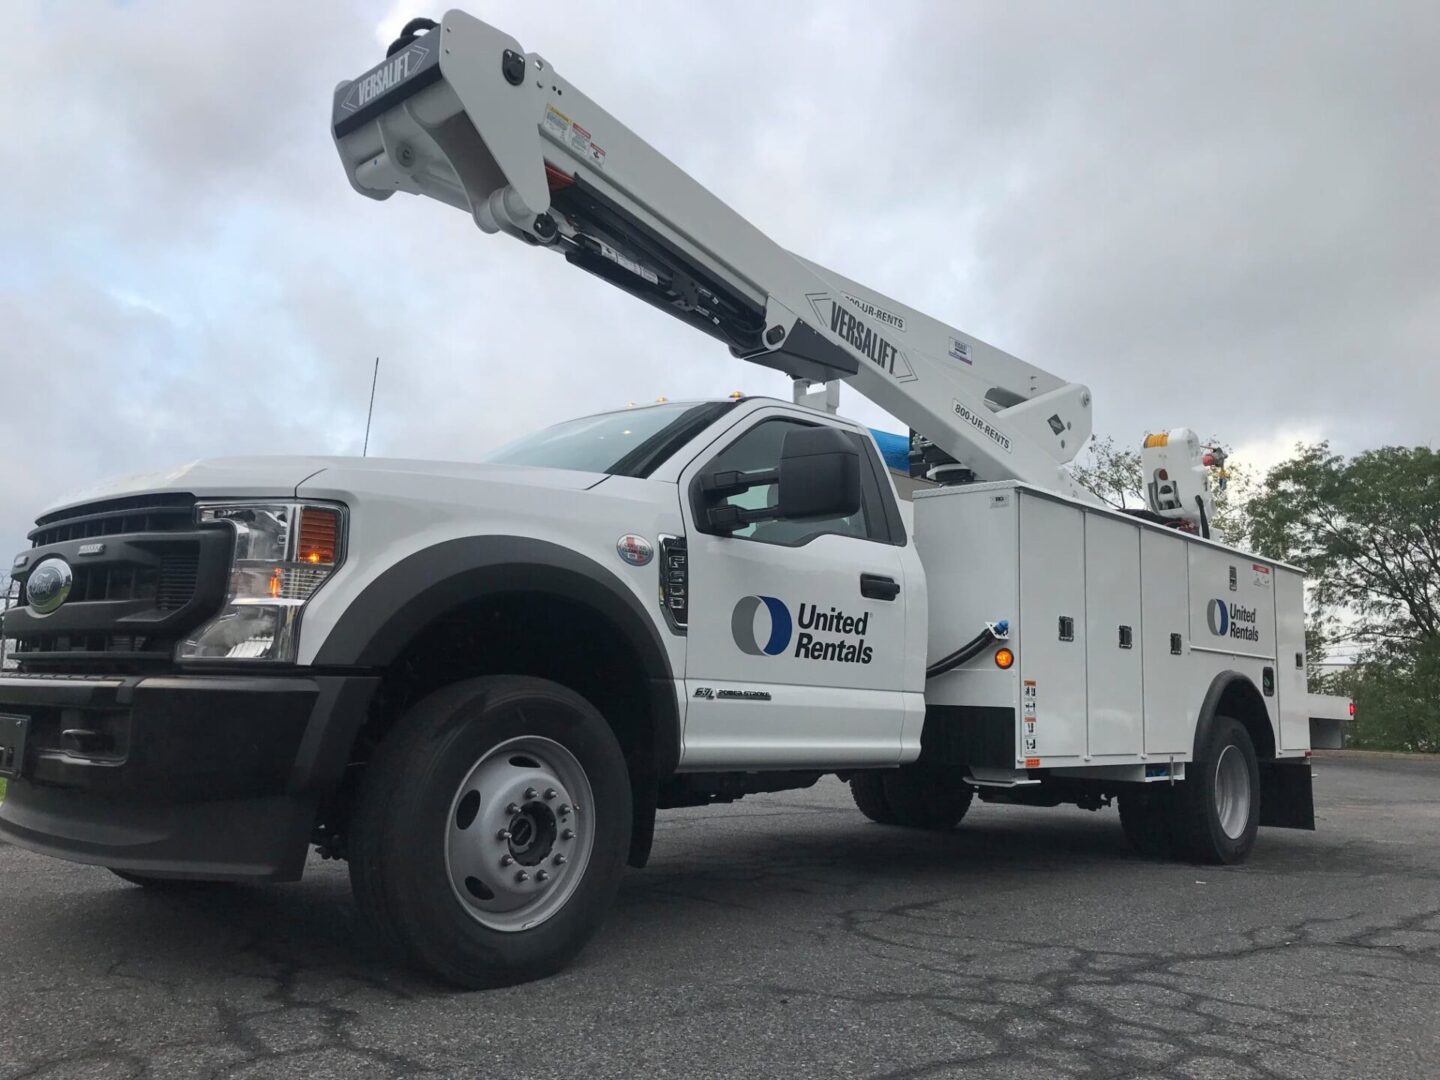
(819, 474)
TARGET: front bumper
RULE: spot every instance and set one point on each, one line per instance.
(178, 776)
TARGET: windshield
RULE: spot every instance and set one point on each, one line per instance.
(631, 442)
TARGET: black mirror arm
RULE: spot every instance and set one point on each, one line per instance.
(728, 519)
(728, 482)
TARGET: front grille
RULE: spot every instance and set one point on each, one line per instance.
(141, 514)
(169, 585)
(179, 574)
(143, 575)
(111, 647)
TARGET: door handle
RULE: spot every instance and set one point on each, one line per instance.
(879, 587)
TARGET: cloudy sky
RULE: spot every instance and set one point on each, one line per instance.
(1219, 215)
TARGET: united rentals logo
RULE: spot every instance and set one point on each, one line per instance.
(850, 648)
(1231, 620)
(742, 626)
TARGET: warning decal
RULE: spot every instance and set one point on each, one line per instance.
(1028, 698)
(573, 137)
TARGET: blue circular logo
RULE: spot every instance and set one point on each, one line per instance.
(48, 586)
(1217, 614)
(742, 626)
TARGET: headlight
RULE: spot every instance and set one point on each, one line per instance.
(284, 552)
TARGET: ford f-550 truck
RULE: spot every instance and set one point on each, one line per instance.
(479, 682)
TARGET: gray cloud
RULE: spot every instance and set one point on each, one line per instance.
(1221, 216)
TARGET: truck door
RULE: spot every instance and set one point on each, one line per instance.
(797, 628)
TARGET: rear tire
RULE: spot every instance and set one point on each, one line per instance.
(491, 830)
(924, 797)
(868, 791)
(1217, 807)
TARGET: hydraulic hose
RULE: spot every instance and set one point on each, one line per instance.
(971, 649)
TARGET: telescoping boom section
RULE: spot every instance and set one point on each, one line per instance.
(459, 112)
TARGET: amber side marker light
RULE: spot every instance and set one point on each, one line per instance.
(1004, 658)
(319, 535)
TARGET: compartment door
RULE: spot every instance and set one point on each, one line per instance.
(1052, 659)
(1114, 644)
(1292, 686)
(1165, 615)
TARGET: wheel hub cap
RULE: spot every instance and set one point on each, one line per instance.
(1232, 792)
(519, 834)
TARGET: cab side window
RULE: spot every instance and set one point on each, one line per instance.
(758, 450)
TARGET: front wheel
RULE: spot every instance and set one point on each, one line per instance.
(491, 830)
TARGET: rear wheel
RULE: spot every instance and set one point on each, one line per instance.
(491, 830)
(916, 796)
(868, 791)
(1217, 808)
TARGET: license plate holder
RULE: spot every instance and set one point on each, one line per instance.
(13, 730)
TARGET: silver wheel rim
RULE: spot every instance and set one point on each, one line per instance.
(1232, 792)
(519, 834)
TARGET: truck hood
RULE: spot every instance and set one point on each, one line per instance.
(269, 477)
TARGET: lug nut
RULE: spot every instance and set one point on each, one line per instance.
(506, 860)
(512, 809)
(531, 793)
(568, 834)
(564, 808)
(503, 834)
(542, 875)
(523, 875)
(550, 793)
(559, 860)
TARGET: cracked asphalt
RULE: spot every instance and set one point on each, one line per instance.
(787, 936)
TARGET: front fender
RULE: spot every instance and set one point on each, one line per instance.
(385, 616)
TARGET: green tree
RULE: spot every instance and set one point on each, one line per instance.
(1111, 472)
(1114, 475)
(1367, 532)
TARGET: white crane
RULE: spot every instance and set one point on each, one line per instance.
(461, 114)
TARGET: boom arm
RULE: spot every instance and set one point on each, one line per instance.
(462, 115)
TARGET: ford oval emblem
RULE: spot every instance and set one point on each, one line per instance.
(48, 586)
(635, 550)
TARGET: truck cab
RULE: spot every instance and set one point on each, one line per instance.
(230, 645)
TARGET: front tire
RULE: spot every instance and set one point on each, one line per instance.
(491, 830)
(1217, 811)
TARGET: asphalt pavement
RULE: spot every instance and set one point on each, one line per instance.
(786, 936)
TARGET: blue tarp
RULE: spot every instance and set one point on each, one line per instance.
(895, 449)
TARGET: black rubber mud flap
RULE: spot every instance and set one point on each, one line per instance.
(645, 791)
(1287, 799)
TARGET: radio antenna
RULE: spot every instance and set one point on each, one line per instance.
(375, 378)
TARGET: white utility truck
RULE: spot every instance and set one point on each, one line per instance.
(478, 682)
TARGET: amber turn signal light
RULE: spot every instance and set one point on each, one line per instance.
(1004, 658)
(319, 535)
